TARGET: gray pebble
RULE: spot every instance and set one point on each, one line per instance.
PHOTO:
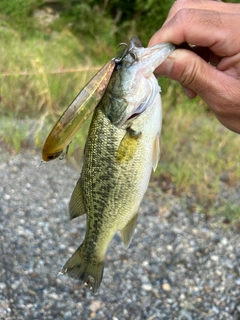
(179, 265)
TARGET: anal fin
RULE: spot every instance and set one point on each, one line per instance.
(128, 230)
(76, 204)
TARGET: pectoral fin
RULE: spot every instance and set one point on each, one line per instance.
(127, 231)
(128, 145)
(76, 204)
(156, 152)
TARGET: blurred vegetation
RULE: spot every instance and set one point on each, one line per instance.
(50, 49)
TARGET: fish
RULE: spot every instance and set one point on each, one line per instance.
(121, 150)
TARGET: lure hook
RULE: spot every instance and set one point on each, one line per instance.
(123, 54)
(133, 54)
(127, 50)
(123, 44)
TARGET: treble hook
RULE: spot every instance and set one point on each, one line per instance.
(123, 54)
(133, 55)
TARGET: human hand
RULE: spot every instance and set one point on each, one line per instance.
(211, 68)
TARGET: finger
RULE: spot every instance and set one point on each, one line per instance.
(189, 92)
(216, 88)
(202, 28)
(189, 69)
(231, 66)
(207, 55)
(202, 5)
(203, 52)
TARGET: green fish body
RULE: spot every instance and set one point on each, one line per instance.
(121, 150)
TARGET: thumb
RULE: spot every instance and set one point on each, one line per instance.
(189, 69)
(218, 89)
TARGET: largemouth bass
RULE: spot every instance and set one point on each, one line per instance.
(121, 150)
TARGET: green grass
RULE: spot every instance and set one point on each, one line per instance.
(40, 76)
(197, 150)
(14, 134)
(197, 154)
(43, 73)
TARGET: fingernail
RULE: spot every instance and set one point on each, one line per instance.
(167, 65)
(165, 68)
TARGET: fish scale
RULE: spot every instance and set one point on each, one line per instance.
(116, 190)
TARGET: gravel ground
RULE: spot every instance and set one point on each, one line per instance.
(180, 265)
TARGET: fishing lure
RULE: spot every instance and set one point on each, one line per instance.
(65, 129)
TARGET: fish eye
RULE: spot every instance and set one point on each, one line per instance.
(53, 155)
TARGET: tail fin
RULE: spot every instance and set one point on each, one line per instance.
(89, 272)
